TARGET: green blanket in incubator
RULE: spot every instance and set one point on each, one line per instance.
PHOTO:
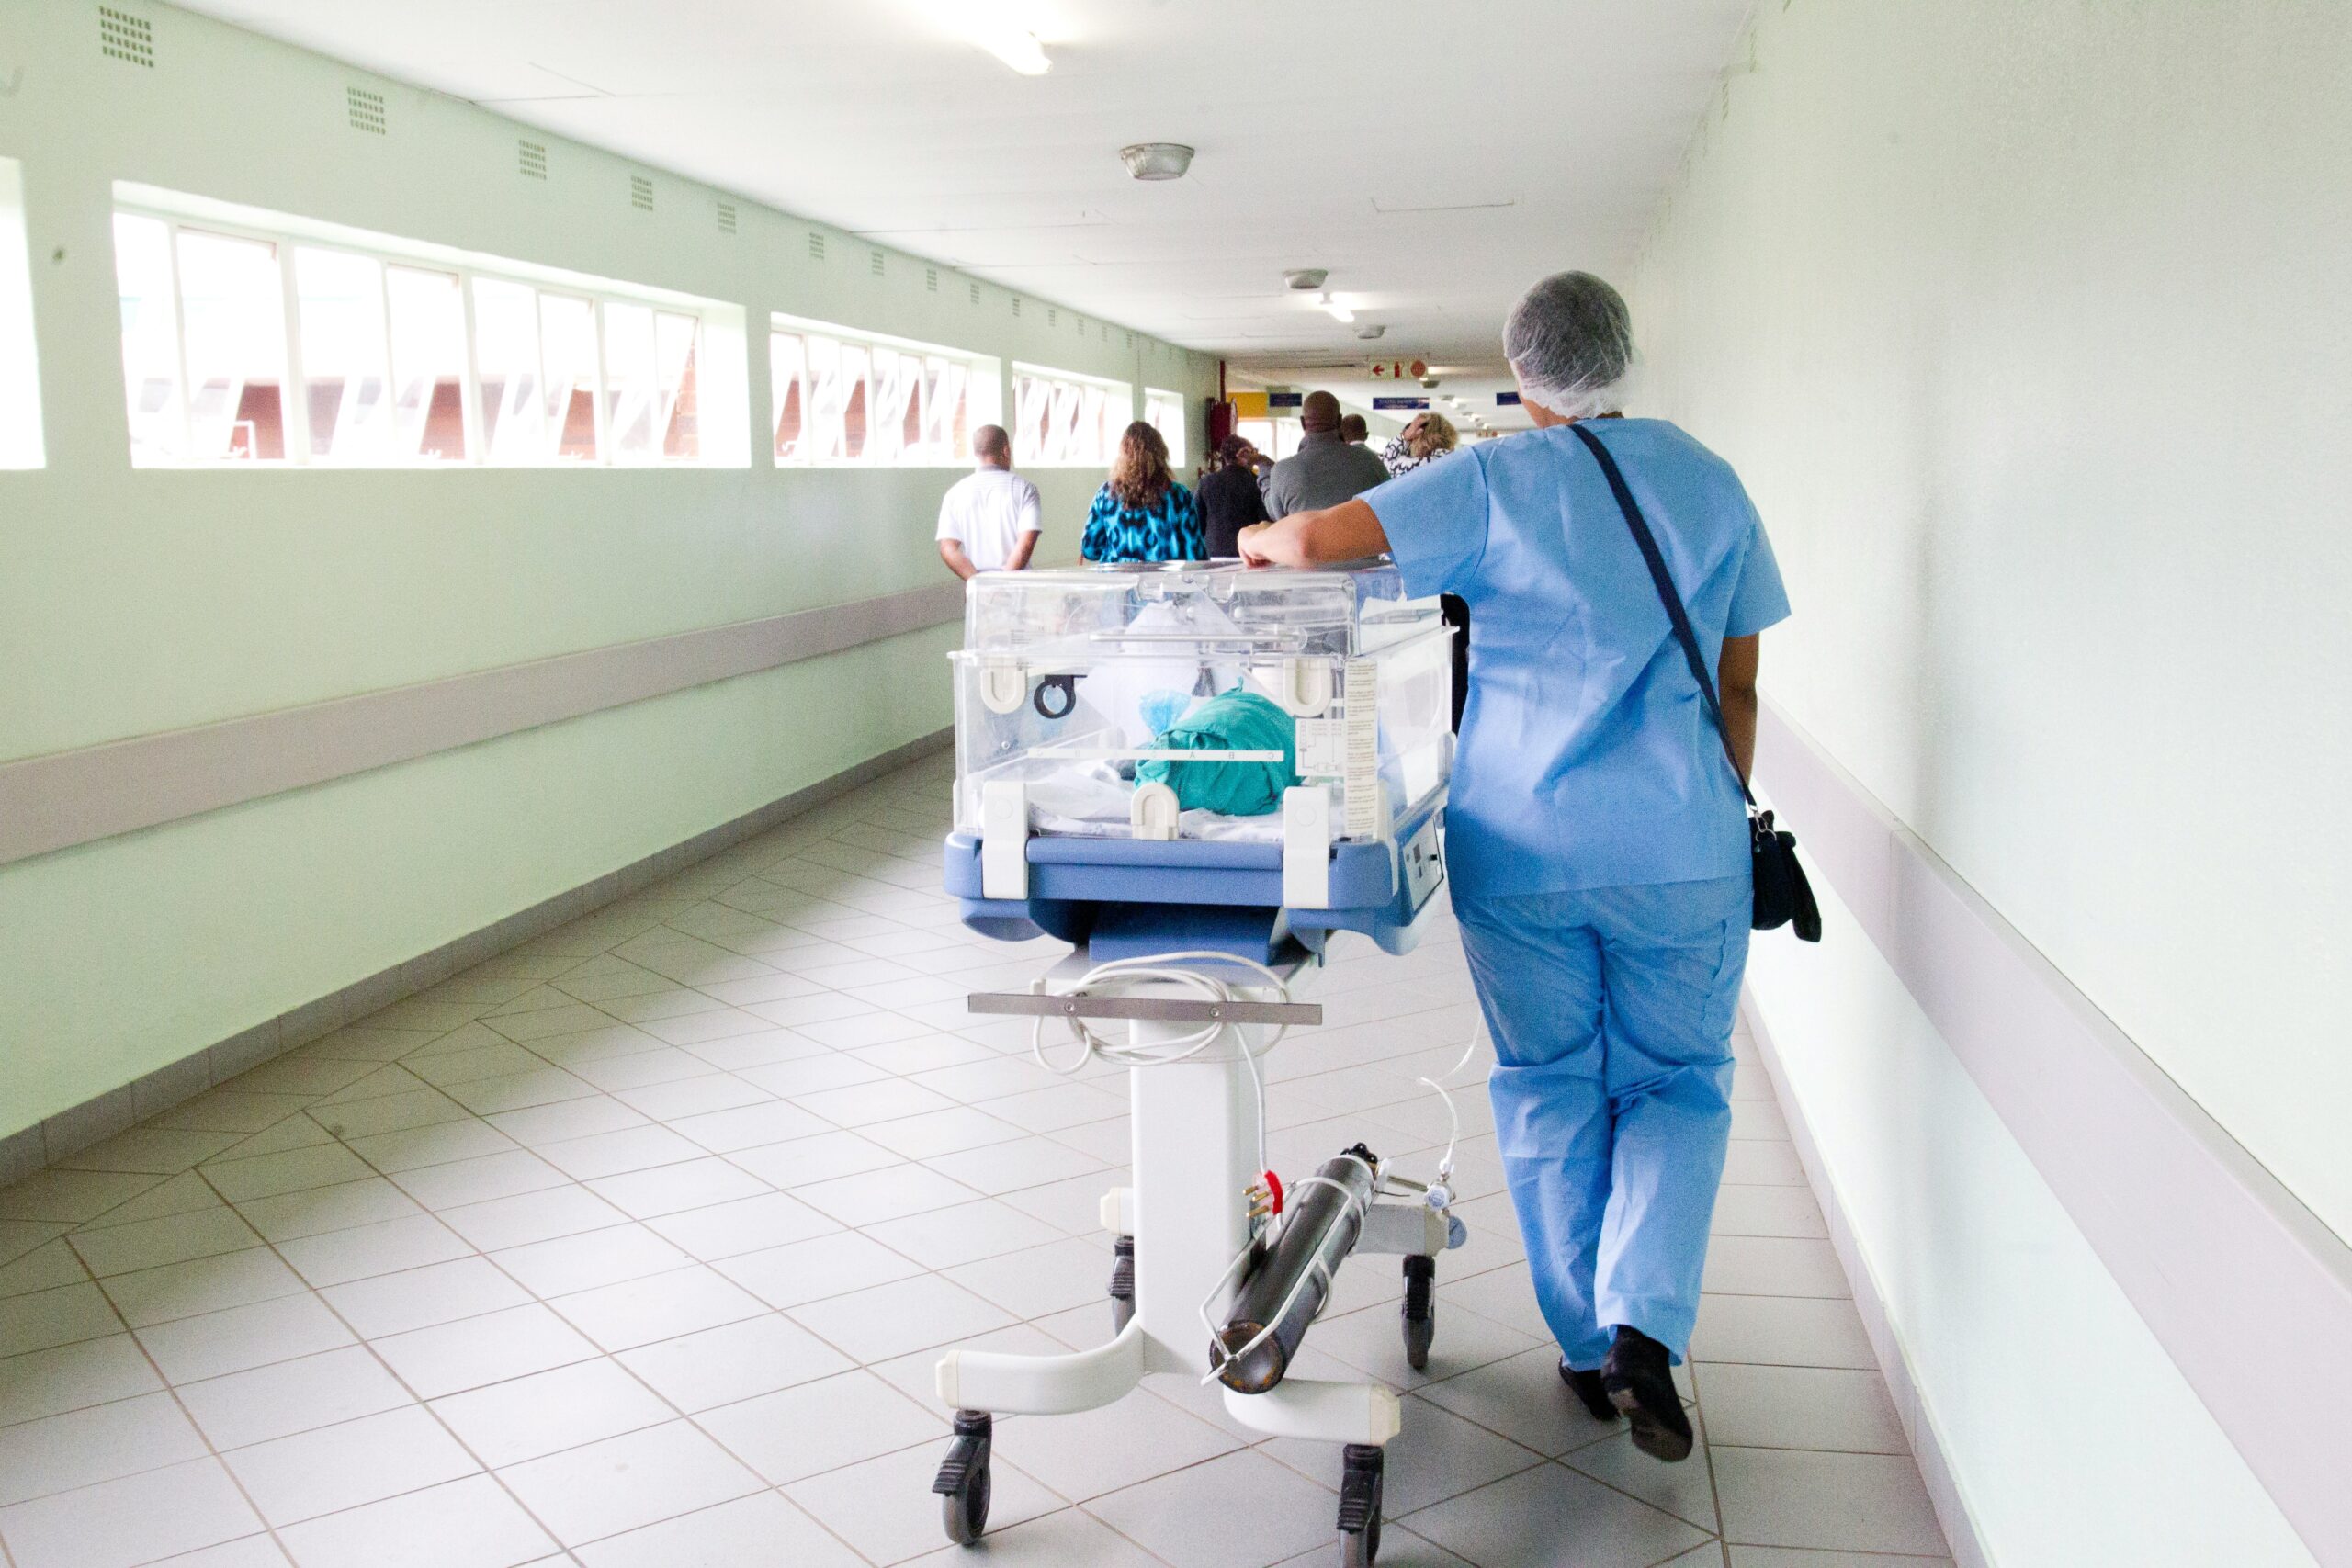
(1237, 721)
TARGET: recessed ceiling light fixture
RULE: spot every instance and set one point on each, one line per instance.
(1336, 312)
(1305, 278)
(1156, 160)
(1369, 330)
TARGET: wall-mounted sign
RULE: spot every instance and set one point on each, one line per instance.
(1380, 403)
(1398, 369)
(1247, 405)
(1285, 399)
(1506, 399)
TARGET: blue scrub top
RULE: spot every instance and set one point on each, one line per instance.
(1587, 756)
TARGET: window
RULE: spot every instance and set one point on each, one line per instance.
(1165, 413)
(846, 396)
(1062, 420)
(312, 344)
(20, 438)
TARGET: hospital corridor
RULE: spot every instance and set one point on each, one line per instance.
(1175, 783)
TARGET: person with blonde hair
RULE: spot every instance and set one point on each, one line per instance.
(1141, 514)
(1429, 436)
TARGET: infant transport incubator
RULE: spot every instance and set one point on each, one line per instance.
(1197, 775)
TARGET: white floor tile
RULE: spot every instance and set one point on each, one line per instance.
(1435, 1455)
(894, 1319)
(885, 1509)
(583, 1261)
(1827, 1501)
(1773, 1266)
(1526, 1520)
(821, 1425)
(531, 1216)
(472, 1523)
(1686, 1490)
(217, 1343)
(318, 1209)
(343, 1466)
(826, 1156)
(387, 1247)
(1099, 1451)
(1799, 1407)
(136, 1520)
(625, 1482)
(526, 1418)
(749, 1126)
(960, 1233)
(152, 1244)
(731, 1229)
(480, 1180)
(1243, 1510)
(887, 1194)
(672, 1188)
(201, 1285)
(1788, 1331)
(419, 1298)
(82, 1448)
(73, 1377)
(658, 1306)
(1039, 1280)
(286, 1397)
(813, 1269)
(735, 1361)
(473, 1351)
(760, 1529)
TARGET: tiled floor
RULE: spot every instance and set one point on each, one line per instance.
(636, 1247)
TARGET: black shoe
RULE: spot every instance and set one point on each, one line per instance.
(1639, 1377)
(1587, 1387)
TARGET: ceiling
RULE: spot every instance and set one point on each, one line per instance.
(1434, 163)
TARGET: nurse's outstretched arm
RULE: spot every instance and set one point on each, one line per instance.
(1350, 531)
(1736, 688)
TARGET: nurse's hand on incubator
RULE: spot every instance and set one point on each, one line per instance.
(1350, 531)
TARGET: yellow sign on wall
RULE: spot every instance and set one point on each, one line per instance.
(1249, 405)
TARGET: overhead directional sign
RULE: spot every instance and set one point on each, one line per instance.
(1398, 369)
(1284, 399)
(1379, 403)
(1506, 399)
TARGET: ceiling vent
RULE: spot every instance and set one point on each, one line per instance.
(366, 110)
(875, 264)
(1369, 330)
(816, 246)
(1305, 278)
(641, 193)
(727, 217)
(1016, 304)
(975, 293)
(1053, 316)
(930, 280)
(124, 37)
(531, 159)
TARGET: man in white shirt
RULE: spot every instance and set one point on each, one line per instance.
(989, 520)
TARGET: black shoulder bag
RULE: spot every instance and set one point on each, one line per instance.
(1782, 894)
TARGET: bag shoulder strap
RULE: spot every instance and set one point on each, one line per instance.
(1664, 582)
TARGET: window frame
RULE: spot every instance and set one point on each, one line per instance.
(23, 445)
(288, 235)
(983, 395)
(1158, 398)
(1118, 397)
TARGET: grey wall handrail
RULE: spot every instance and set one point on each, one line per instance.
(54, 801)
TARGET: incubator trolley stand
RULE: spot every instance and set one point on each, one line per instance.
(1190, 951)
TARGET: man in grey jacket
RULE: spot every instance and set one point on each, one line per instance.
(1325, 470)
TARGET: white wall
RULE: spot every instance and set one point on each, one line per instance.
(137, 602)
(2027, 326)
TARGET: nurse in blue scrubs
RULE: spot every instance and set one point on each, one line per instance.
(1596, 839)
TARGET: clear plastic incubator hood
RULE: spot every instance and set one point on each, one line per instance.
(1265, 748)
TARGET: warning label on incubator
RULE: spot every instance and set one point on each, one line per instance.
(1322, 747)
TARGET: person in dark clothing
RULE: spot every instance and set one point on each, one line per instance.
(1231, 498)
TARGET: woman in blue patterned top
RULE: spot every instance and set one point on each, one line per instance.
(1142, 514)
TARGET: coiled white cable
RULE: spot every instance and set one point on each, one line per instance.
(1121, 975)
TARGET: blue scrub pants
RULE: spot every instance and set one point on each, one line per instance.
(1612, 1014)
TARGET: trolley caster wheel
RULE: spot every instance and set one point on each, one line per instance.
(1359, 1506)
(962, 1480)
(1420, 1310)
(1123, 1283)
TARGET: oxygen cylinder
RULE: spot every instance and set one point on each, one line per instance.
(1321, 1227)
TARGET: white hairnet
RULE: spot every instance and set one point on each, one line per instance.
(1570, 341)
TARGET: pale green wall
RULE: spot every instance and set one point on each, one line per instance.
(2026, 325)
(137, 602)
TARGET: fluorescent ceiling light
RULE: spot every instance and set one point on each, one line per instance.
(1016, 46)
